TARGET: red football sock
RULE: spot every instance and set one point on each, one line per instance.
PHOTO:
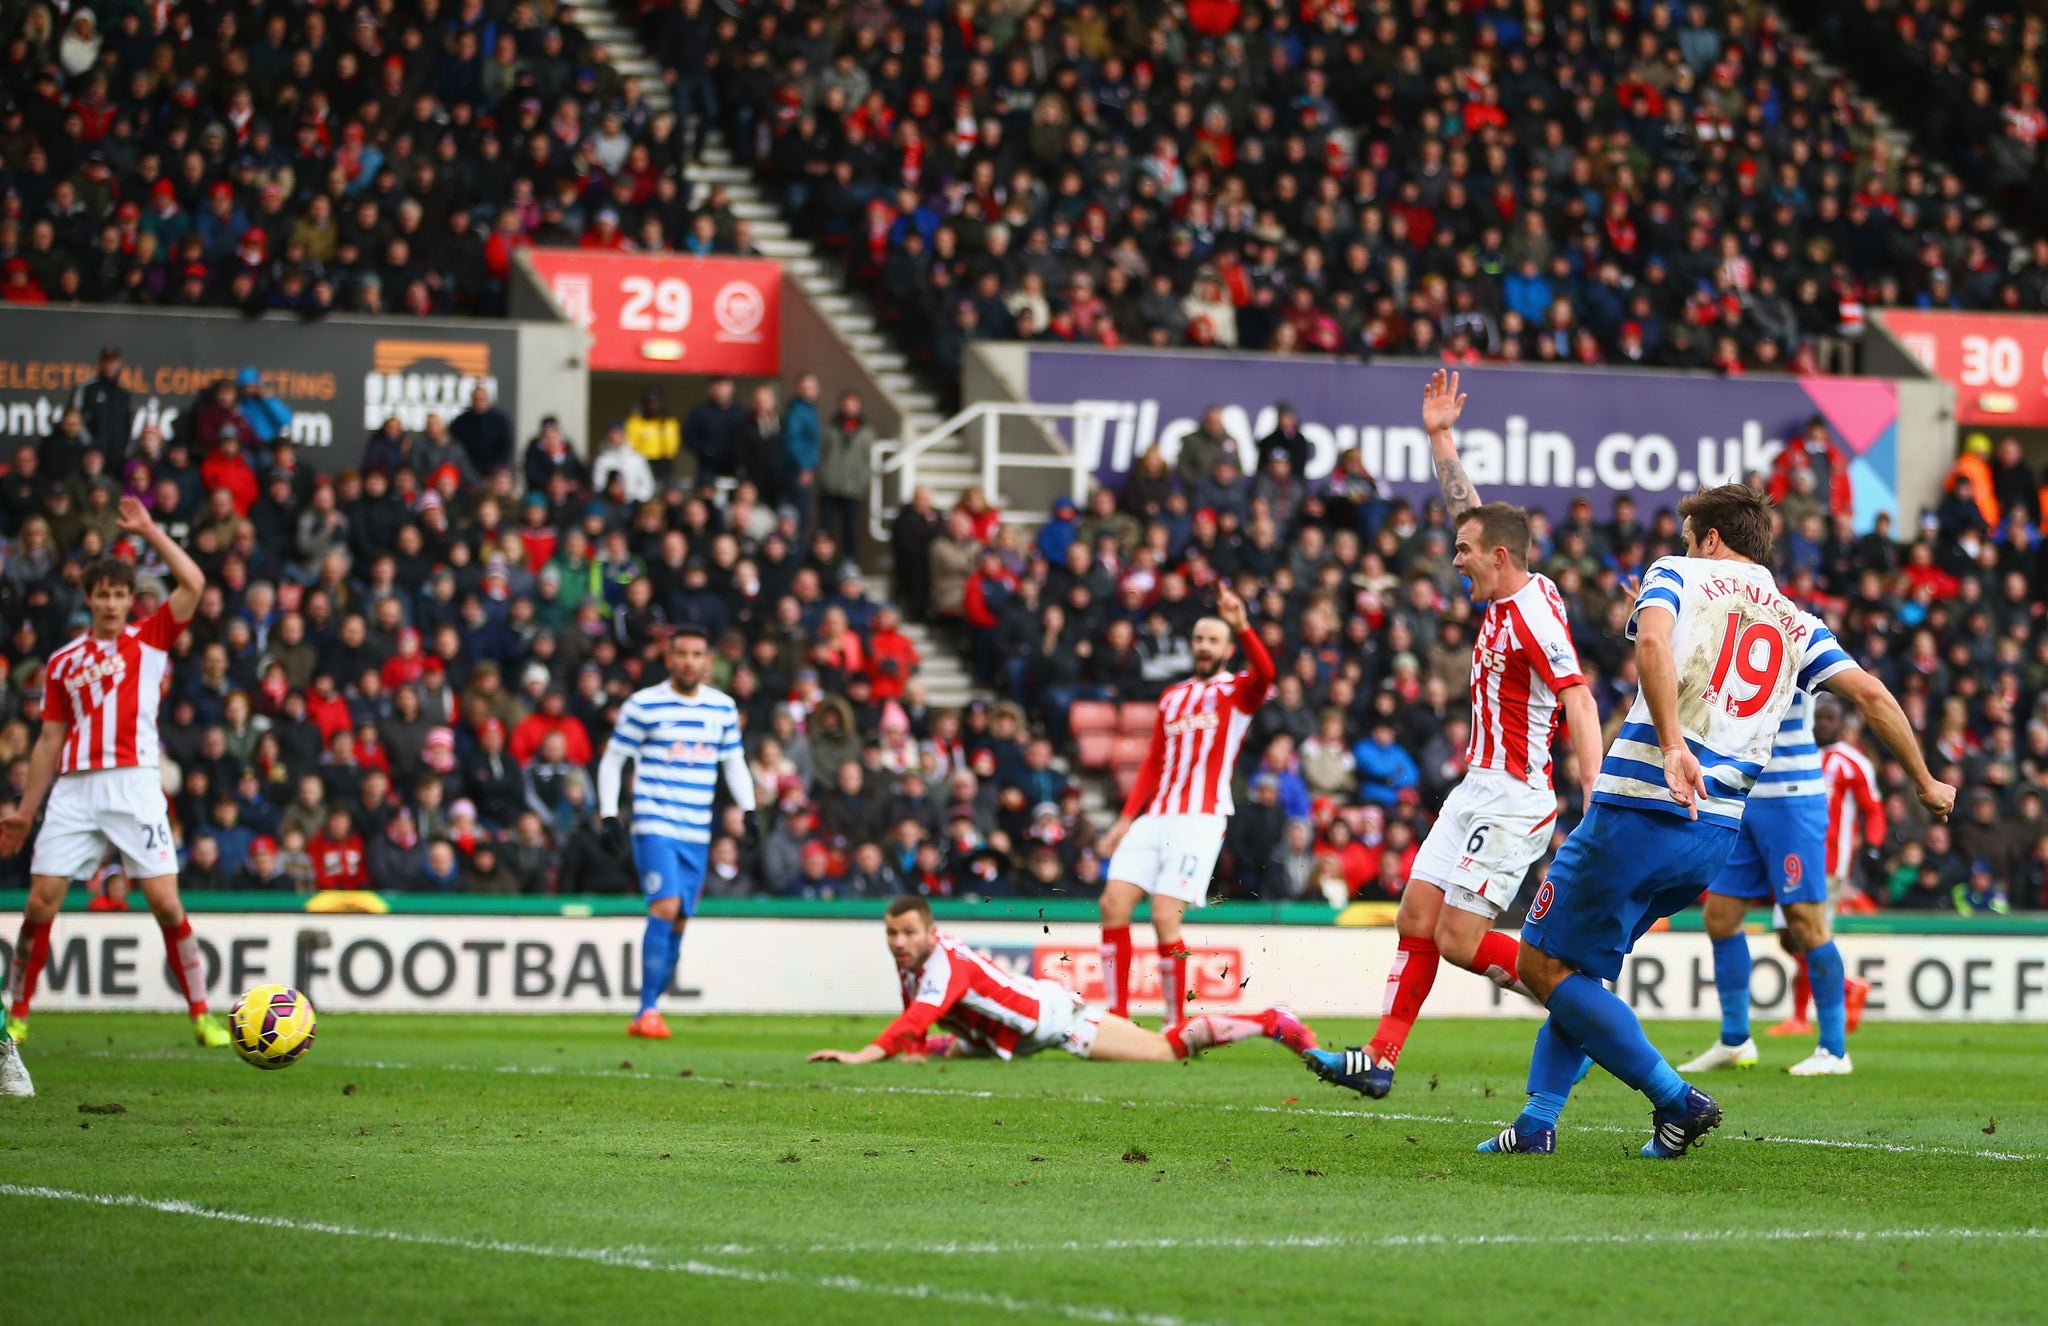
(1173, 983)
(31, 951)
(183, 951)
(1213, 1029)
(1495, 958)
(1802, 989)
(1408, 983)
(1116, 969)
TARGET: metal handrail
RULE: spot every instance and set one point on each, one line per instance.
(901, 458)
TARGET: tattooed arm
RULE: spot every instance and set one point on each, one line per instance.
(1441, 405)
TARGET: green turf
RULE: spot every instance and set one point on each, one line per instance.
(408, 1179)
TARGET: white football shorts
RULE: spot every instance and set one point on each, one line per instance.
(1171, 856)
(1491, 830)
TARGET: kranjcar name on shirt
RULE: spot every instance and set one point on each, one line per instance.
(1765, 597)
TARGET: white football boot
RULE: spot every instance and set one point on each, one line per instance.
(1719, 1055)
(1823, 1063)
(14, 1079)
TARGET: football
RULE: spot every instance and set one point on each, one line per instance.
(272, 1026)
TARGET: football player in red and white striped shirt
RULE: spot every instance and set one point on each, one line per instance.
(1855, 818)
(988, 1011)
(1171, 831)
(1497, 822)
(97, 760)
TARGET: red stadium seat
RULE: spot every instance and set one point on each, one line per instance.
(1095, 748)
(1135, 718)
(1085, 716)
(1125, 778)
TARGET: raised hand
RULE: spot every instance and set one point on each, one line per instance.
(1231, 608)
(134, 518)
(1442, 402)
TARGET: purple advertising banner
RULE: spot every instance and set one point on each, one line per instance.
(1538, 437)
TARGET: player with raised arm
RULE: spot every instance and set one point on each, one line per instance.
(1783, 857)
(987, 1010)
(97, 761)
(1497, 822)
(1166, 842)
(1720, 651)
(678, 736)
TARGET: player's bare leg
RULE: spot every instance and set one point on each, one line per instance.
(1809, 933)
(1119, 1040)
(1724, 915)
(656, 969)
(32, 948)
(1120, 899)
(1174, 987)
(182, 950)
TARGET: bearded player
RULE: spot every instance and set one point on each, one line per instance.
(1721, 652)
(1497, 822)
(990, 1011)
(96, 760)
(1166, 842)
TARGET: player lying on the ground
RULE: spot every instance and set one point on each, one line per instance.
(1497, 822)
(1720, 651)
(990, 1011)
(1785, 856)
(1165, 844)
(96, 760)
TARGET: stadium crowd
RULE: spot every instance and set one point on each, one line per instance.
(1665, 183)
(1668, 183)
(384, 157)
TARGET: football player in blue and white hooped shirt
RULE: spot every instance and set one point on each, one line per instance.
(1721, 652)
(1780, 858)
(678, 736)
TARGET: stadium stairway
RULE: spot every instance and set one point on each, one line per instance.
(947, 682)
(949, 469)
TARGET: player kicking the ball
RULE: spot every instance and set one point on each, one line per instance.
(96, 760)
(1720, 651)
(1166, 842)
(993, 1012)
(678, 736)
(1497, 822)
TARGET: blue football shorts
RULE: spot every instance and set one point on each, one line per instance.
(1620, 872)
(1780, 854)
(670, 868)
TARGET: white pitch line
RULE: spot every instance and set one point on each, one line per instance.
(961, 1093)
(619, 1257)
(1383, 1242)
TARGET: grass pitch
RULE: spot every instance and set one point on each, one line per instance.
(464, 1169)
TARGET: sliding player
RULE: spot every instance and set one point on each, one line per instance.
(991, 1011)
(1497, 822)
(1166, 842)
(1781, 857)
(96, 759)
(1720, 651)
(678, 736)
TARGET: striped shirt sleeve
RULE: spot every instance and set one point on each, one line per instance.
(1662, 584)
(630, 730)
(1823, 656)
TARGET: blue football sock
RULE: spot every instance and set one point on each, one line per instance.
(1825, 972)
(1553, 1068)
(1596, 1018)
(655, 948)
(1731, 978)
(675, 958)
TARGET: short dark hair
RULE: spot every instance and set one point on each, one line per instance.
(690, 631)
(1738, 513)
(907, 904)
(116, 571)
(1501, 526)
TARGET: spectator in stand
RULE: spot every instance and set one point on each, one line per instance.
(711, 431)
(845, 461)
